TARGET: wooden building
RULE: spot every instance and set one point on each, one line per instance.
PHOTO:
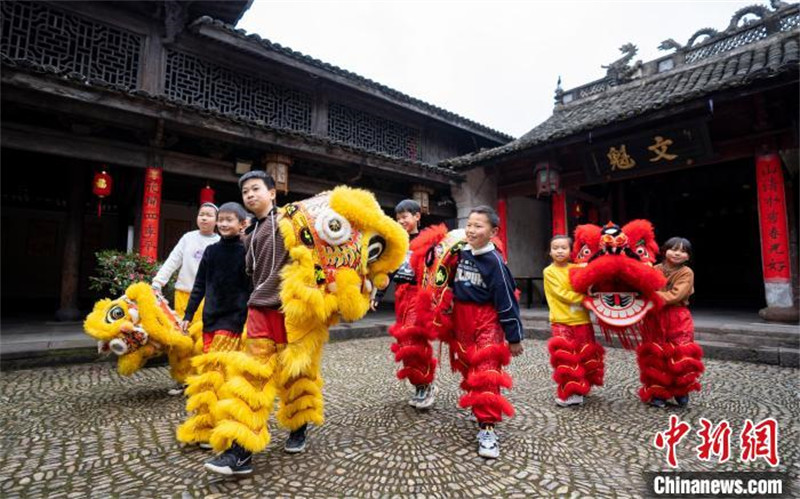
(172, 94)
(703, 141)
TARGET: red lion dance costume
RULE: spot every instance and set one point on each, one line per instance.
(435, 254)
(615, 271)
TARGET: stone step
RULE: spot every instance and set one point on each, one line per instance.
(776, 348)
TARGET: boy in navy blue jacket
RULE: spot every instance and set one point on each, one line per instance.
(487, 326)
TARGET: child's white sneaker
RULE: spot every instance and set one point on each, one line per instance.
(571, 400)
(427, 397)
(488, 446)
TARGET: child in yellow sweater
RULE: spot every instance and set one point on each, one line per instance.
(576, 357)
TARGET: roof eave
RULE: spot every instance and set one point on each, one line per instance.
(255, 45)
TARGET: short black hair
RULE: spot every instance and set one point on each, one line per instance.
(236, 209)
(494, 220)
(407, 206)
(677, 243)
(560, 236)
(266, 177)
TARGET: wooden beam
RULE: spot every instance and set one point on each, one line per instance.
(198, 124)
(46, 141)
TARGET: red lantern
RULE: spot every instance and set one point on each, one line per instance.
(576, 210)
(101, 187)
(206, 195)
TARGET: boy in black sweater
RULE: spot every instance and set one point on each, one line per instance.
(222, 280)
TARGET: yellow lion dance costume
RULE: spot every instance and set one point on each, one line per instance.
(341, 246)
(139, 326)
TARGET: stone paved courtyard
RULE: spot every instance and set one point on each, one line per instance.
(83, 431)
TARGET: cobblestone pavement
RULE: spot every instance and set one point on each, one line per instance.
(83, 431)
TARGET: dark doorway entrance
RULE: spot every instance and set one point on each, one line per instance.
(715, 208)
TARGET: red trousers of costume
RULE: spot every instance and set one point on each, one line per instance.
(413, 346)
(479, 352)
(577, 359)
(670, 362)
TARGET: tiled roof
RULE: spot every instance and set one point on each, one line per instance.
(443, 114)
(81, 81)
(775, 54)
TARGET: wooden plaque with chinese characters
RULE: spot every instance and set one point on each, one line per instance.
(651, 152)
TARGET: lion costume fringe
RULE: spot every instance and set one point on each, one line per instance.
(341, 246)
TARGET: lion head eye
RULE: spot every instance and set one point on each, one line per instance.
(333, 228)
(114, 314)
(377, 244)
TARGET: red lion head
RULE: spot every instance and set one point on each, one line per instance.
(615, 271)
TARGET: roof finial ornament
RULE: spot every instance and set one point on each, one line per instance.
(619, 71)
(670, 44)
(559, 91)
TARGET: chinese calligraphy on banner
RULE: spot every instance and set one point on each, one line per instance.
(772, 216)
(151, 213)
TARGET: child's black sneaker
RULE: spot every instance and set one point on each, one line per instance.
(234, 461)
(660, 403)
(296, 442)
(682, 401)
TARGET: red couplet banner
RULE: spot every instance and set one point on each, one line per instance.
(502, 214)
(559, 201)
(772, 218)
(151, 213)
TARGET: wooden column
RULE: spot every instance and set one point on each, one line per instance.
(773, 222)
(559, 205)
(70, 267)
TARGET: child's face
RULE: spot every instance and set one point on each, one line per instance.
(228, 224)
(206, 218)
(559, 251)
(256, 197)
(676, 256)
(479, 230)
(409, 221)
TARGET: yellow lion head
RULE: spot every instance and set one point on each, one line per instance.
(137, 327)
(342, 246)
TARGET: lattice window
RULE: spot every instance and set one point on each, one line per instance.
(35, 33)
(211, 86)
(372, 132)
(726, 44)
(790, 22)
(592, 90)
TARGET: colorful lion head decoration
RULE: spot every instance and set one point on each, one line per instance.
(139, 326)
(341, 247)
(615, 271)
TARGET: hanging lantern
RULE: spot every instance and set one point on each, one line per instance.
(101, 187)
(576, 209)
(206, 194)
(422, 195)
(277, 166)
(548, 180)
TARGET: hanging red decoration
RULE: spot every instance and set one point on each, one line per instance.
(101, 187)
(593, 215)
(207, 194)
(576, 210)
